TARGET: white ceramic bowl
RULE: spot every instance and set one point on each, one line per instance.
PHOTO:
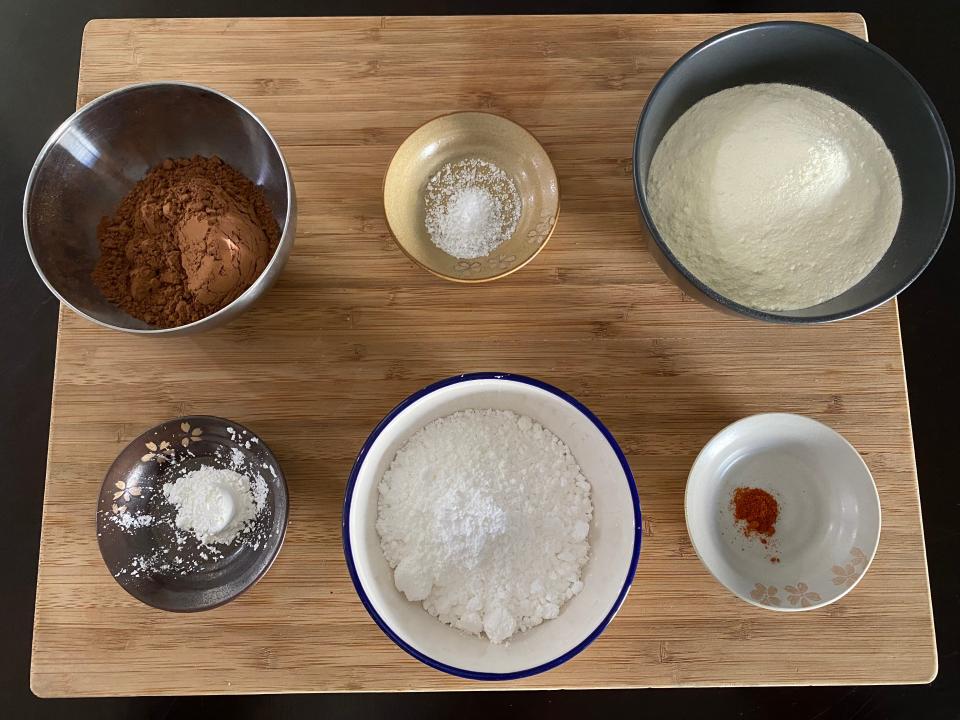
(614, 533)
(829, 522)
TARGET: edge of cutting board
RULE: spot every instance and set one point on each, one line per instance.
(47, 684)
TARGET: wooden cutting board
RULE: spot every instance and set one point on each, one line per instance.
(353, 327)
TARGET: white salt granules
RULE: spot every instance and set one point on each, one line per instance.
(484, 516)
(215, 504)
(472, 207)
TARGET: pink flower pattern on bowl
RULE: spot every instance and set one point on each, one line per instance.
(801, 595)
(765, 595)
(846, 575)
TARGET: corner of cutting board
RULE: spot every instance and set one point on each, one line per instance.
(92, 25)
(934, 668)
(38, 687)
(863, 24)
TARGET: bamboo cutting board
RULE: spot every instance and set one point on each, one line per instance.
(353, 327)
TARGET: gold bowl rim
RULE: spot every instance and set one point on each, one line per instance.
(453, 278)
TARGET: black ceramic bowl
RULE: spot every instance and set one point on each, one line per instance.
(852, 71)
(169, 569)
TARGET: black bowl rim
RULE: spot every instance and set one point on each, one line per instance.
(104, 98)
(281, 478)
(765, 315)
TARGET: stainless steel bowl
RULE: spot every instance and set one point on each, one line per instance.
(856, 73)
(94, 158)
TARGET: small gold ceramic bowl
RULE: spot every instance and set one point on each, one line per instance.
(460, 136)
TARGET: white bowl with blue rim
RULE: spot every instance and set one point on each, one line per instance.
(828, 526)
(614, 532)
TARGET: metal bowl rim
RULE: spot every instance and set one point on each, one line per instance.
(66, 124)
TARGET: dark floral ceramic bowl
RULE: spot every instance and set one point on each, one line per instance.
(167, 567)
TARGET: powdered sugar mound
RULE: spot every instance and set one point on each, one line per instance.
(216, 504)
(484, 516)
(472, 207)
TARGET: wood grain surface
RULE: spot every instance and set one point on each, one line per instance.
(353, 327)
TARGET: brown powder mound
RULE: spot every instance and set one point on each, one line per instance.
(189, 239)
(757, 510)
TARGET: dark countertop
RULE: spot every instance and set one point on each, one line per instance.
(39, 55)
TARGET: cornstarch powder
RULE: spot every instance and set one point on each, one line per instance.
(484, 516)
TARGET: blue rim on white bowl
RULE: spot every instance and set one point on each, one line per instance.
(617, 531)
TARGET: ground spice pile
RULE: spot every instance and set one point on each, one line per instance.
(757, 510)
(189, 239)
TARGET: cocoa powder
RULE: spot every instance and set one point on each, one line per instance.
(189, 239)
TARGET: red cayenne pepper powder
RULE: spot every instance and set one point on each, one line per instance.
(758, 510)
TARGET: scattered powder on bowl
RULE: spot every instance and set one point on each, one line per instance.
(776, 196)
(186, 241)
(130, 521)
(484, 516)
(195, 525)
(472, 207)
(215, 504)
